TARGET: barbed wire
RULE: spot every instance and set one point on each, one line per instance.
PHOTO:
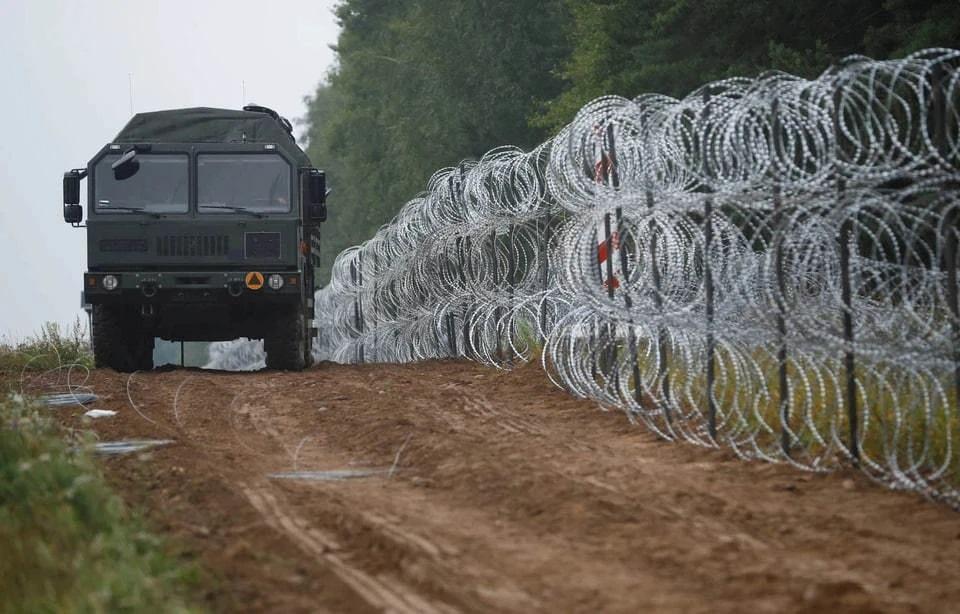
(768, 264)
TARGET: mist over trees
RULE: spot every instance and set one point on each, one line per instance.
(421, 84)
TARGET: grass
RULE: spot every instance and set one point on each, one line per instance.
(527, 339)
(67, 543)
(51, 348)
(906, 416)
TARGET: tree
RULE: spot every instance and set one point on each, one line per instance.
(630, 47)
(420, 85)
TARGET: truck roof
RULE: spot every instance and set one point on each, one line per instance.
(208, 125)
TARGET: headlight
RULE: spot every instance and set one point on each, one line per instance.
(110, 282)
(275, 281)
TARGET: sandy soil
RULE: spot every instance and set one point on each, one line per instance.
(506, 494)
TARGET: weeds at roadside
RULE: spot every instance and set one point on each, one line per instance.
(51, 348)
(68, 543)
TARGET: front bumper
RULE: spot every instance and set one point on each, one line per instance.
(191, 286)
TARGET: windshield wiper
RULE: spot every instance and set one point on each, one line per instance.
(130, 209)
(233, 208)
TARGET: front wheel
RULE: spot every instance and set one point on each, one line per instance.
(286, 343)
(118, 341)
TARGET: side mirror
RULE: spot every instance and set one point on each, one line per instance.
(127, 166)
(72, 214)
(72, 211)
(316, 197)
(317, 213)
(316, 187)
(71, 188)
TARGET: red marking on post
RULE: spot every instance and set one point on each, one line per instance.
(602, 248)
(602, 169)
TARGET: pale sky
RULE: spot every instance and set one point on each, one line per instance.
(65, 70)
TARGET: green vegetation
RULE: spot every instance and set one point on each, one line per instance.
(672, 47)
(421, 84)
(54, 347)
(51, 348)
(68, 543)
(901, 414)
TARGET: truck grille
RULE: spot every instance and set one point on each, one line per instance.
(196, 245)
(262, 245)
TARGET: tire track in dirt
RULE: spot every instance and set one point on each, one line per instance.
(508, 495)
(386, 594)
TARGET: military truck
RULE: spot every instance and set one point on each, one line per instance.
(203, 225)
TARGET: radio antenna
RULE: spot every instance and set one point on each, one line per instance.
(130, 90)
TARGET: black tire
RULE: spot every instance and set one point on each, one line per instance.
(143, 354)
(118, 341)
(286, 342)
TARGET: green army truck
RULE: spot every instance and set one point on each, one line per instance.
(203, 225)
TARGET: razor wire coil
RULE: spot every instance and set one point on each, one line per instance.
(767, 264)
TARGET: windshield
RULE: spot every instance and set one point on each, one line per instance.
(248, 182)
(161, 185)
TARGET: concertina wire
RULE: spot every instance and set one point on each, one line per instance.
(768, 265)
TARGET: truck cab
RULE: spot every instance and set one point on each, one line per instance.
(202, 225)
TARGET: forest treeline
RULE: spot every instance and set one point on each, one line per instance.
(419, 85)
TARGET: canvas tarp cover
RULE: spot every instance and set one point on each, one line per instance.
(206, 125)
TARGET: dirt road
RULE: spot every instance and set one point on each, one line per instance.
(495, 491)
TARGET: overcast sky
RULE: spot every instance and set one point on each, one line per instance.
(65, 69)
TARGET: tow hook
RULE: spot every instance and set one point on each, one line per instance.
(147, 310)
(235, 288)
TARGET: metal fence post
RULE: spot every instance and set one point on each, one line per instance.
(463, 245)
(373, 313)
(610, 357)
(778, 236)
(950, 255)
(449, 274)
(458, 274)
(356, 301)
(511, 278)
(495, 263)
(465, 266)
(631, 334)
(708, 286)
(594, 332)
(950, 224)
(846, 290)
(613, 176)
(360, 322)
(663, 365)
(545, 264)
(711, 342)
(608, 246)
